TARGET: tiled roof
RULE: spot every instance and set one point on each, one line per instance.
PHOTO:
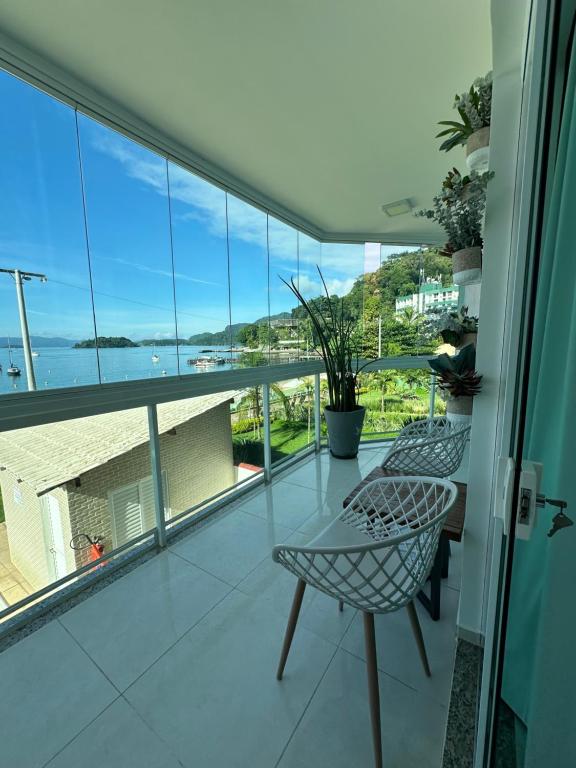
(49, 455)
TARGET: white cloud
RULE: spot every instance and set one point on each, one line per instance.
(161, 272)
(313, 287)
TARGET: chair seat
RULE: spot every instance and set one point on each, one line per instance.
(338, 534)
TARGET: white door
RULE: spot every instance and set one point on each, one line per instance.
(133, 511)
(54, 537)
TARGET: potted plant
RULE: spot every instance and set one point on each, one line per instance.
(459, 209)
(458, 379)
(458, 328)
(474, 108)
(336, 340)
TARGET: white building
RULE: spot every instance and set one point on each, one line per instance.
(432, 296)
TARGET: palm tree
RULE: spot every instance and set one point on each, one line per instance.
(254, 408)
(308, 383)
(285, 400)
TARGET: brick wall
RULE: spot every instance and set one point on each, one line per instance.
(198, 461)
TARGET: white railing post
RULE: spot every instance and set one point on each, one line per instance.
(267, 441)
(156, 475)
(317, 413)
(432, 396)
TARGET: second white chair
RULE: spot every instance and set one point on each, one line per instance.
(375, 556)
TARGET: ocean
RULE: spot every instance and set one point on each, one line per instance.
(66, 367)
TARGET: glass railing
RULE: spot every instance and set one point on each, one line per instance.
(72, 493)
(394, 398)
(81, 495)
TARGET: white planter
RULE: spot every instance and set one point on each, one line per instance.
(478, 151)
(459, 410)
(467, 265)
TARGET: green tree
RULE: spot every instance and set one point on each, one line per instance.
(248, 336)
(267, 336)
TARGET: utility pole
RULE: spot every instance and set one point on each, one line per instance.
(19, 278)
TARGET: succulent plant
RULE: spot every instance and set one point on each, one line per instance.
(453, 325)
(456, 374)
(474, 108)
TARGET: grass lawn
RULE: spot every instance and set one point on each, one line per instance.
(286, 438)
(289, 437)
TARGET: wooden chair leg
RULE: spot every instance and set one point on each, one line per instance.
(292, 620)
(417, 631)
(373, 687)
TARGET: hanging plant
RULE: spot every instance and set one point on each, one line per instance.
(473, 132)
(459, 210)
(458, 379)
(458, 328)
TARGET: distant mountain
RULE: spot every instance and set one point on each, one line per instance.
(38, 342)
(219, 338)
(161, 342)
(230, 333)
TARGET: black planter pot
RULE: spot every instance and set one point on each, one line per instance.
(344, 431)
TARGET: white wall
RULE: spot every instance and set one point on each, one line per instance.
(509, 30)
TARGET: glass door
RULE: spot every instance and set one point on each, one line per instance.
(533, 681)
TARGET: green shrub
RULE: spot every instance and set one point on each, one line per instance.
(246, 425)
(247, 451)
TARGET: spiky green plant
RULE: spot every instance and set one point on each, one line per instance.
(336, 339)
(474, 108)
(456, 374)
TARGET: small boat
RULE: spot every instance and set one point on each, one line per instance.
(12, 370)
(205, 361)
(155, 357)
(35, 354)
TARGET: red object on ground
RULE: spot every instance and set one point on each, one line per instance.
(96, 551)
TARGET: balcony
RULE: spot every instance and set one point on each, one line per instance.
(174, 662)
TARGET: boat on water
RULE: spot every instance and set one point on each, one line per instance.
(155, 357)
(205, 361)
(12, 369)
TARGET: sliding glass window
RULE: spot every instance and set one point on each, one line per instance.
(199, 237)
(153, 271)
(285, 341)
(126, 192)
(42, 231)
(248, 253)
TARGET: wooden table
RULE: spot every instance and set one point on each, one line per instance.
(452, 531)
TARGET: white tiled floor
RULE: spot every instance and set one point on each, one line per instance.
(174, 664)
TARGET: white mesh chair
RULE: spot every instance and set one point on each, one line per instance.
(375, 556)
(431, 447)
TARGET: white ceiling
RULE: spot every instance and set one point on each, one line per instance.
(327, 107)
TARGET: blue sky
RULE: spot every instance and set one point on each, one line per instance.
(137, 235)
